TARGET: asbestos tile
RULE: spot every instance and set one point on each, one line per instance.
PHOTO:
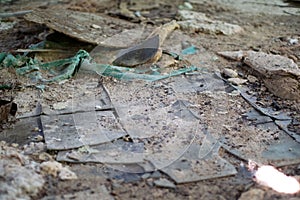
(80, 129)
(112, 153)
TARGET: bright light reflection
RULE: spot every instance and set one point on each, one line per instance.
(278, 181)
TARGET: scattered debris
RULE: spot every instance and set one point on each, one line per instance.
(128, 73)
(237, 81)
(148, 51)
(198, 22)
(87, 24)
(230, 73)
(252, 79)
(34, 148)
(76, 130)
(56, 169)
(19, 175)
(33, 68)
(280, 74)
(199, 167)
(181, 126)
(140, 54)
(111, 153)
(162, 182)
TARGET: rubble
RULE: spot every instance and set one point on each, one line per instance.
(237, 81)
(63, 21)
(144, 108)
(198, 22)
(280, 74)
(20, 177)
(230, 73)
(56, 169)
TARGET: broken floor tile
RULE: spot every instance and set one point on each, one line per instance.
(197, 83)
(283, 124)
(165, 183)
(274, 145)
(286, 151)
(165, 124)
(256, 117)
(139, 168)
(23, 132)
(80, 129)
(186, 169)
(81, 95)
(252, 100)
(118, 152)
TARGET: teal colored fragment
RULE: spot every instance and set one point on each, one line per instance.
(190, 50)
(2, 56)
(5, 87)
(8, 60)
(27, 69)
(124, 73)
(32, 68)
(73, 65)
(67, 68)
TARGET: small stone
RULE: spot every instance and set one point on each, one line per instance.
(45, 156)
(34, 148)
(237, 81)
(60, 105)
(293, 41)
(15, 145)
(39, 138)
(51, 167)
(186, 6)
(95, 26)
(230, 73)
(252, 79)
(164, 183)
(67, 174)
(253, 194)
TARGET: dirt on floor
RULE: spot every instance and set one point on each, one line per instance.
(270, 27)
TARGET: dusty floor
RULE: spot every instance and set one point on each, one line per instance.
(266, 27)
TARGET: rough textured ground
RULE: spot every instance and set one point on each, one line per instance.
(268, 32)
